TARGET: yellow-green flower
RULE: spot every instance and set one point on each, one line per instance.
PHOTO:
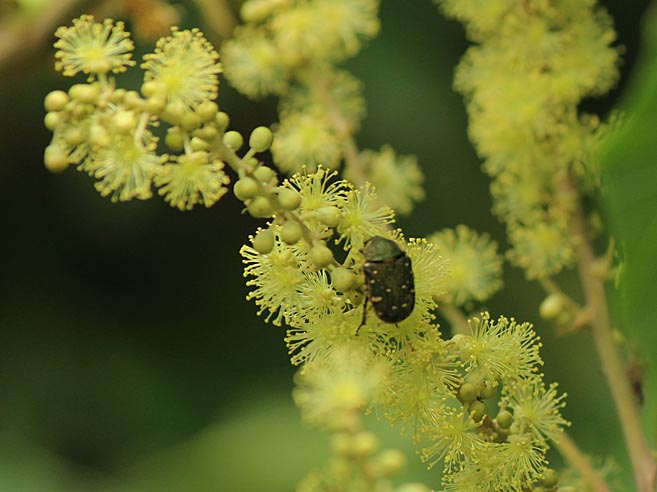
(253, 65)
(475, 268)
(126, 167)
(397, 178)
(305, 140)
(537, 409)
(331, 389)
(93, 48)
(500, 349)
(542, 248)
(186, 65)
(192, 180)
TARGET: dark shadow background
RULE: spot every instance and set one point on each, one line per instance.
(129, 357)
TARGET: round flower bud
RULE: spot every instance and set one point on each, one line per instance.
(288, 199)
(233, 140)
(254, 12)
(329, 216)
(55, 101)
(365, 444)
(174, 139)
(206, 133)
(52, 119)
(73, 136)
(504, 419)
(488, 390)
(222, 120)
(117, 96)
(246, 188)
(390, 462)
(81, 110)
(190, 121)
(467, 392)
(259, 207)
(477, 410)
(133, 100)
(264, 174)
(263, 242)
(155, 104)
(152, 88)
(207, 110)
(551, 306)
(55, 158)
(198, 144)
(291, 232)
(173, 112)
(98, 136)
(260, 139)
(84, 93)
(124, 121)
(550, 478)
(343, 279)
(320, 255)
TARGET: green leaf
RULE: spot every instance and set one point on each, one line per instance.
(629, 174)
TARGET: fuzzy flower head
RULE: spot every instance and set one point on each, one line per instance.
(537, 409)
(93, 48)
(330, 391)
(125, 168)
(500, 350)
(397, 178)
(324, 29)
(253, 65)
(305, 140)
(474, 265)
(542, 248)
(186, 66)
(192, 179)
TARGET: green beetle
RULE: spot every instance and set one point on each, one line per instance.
(389, 281)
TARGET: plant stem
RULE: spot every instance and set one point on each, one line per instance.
(643, 464)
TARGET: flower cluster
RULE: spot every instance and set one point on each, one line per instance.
(476, 402)
(289, 49)
(533, 64)
(108, 131)
(475, 267)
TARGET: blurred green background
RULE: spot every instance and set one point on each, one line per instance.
(129, 357)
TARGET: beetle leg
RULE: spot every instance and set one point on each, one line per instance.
(364, 318)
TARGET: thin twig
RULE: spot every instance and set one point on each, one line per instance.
(643, 464)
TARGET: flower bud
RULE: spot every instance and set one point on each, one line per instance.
(504, 419)
(261, 139)
(264, 174)
(55, 158)
(320, 255)
(259, 207)
(233, 140)
(55, 101)
(477, 410)
(245, 188)
(329, 216)
(291, 232)
(288, 199)
(263, 242)
(343, 279)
